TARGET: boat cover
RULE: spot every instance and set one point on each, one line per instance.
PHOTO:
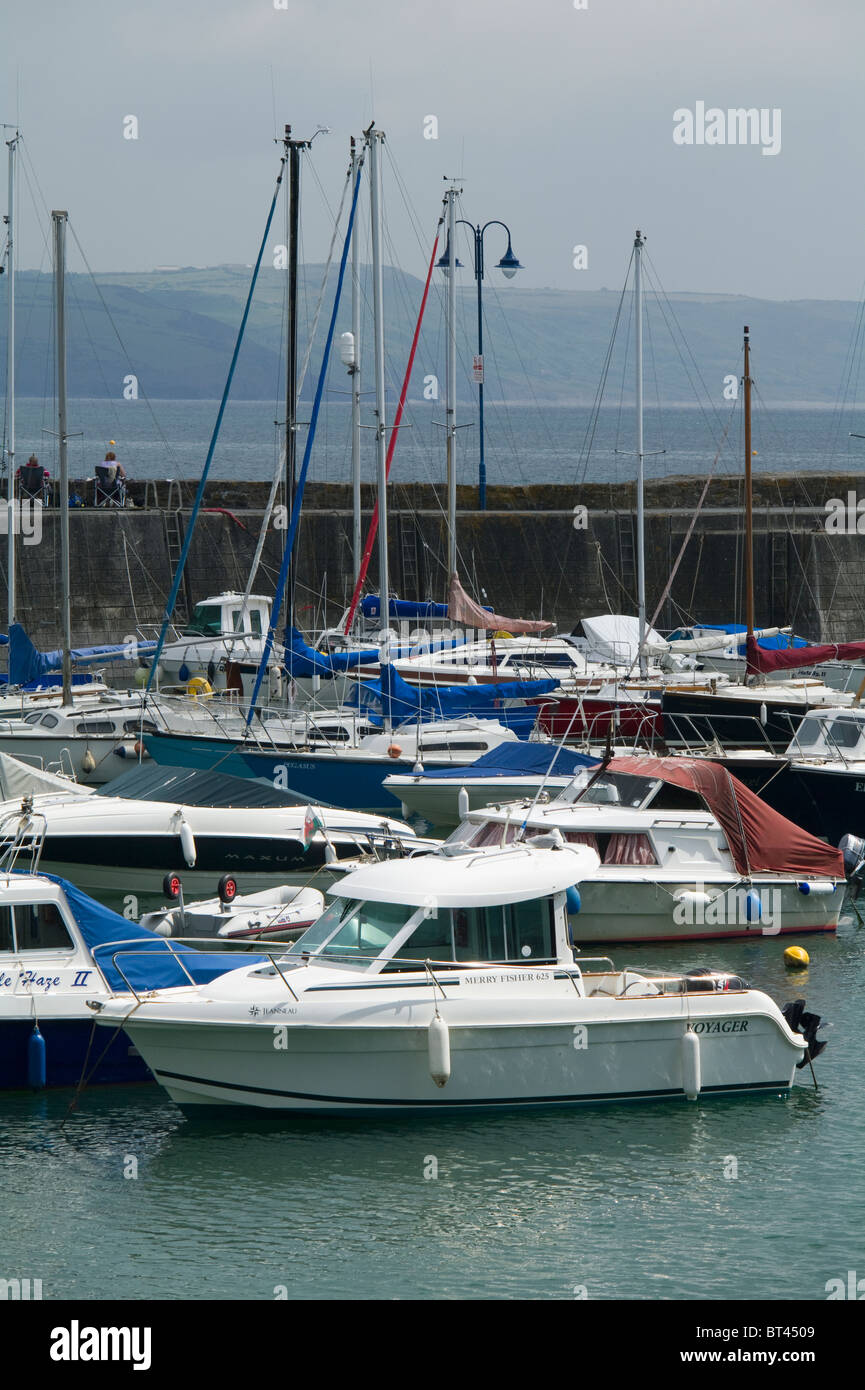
(462, 609)
(193, 786)
(398, 700)
(760, 839)
(146, 959)
(761, 660)
(518, 760)
(615, 637)
(370, 607)
(779, 642)
(301, 660)
(27, 664)
(19, 779)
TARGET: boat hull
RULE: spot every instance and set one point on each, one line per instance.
(383, 1067)
(71, 1051)
(646, 911)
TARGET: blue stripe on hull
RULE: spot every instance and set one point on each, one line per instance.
(66, 1049)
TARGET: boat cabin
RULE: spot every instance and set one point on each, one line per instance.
(225, 615)
(454, 907)
(834, 735)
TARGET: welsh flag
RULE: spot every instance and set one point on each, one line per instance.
(312, 822)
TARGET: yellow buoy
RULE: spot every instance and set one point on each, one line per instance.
(796, 955)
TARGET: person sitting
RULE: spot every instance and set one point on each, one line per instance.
(110, 482)
(33, 481)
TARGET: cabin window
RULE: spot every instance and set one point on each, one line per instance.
(40, 927)
(426, 747)
(49, 721)
(494, 833)
(618, 789)
(808, 733)
(134, 726)
(255, 622)
(5, 929)
(629, 849)
(206, 621)
(515, 932)
(96, 726)
(844, 733)
(354, 930)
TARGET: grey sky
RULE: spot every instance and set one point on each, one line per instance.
(560, 122)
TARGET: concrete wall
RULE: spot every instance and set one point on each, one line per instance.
(523, 556)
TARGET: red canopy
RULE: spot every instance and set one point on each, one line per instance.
(761, 840)
(790, 657)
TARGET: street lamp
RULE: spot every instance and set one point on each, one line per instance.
(508, 265)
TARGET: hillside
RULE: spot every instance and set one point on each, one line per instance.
(178, 329)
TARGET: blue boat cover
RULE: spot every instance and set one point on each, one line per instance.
(27, 664)
(148, 962)
(399, 701)
(519, 760)
(370, 607)
(301, 660)
(781, 642)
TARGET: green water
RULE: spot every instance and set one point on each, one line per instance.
(623, 1201)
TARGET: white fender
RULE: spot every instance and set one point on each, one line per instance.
(439, 1045)
(463, 803)
(88, 762)
(691, 1079)
(187, 844)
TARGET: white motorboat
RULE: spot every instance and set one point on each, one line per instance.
(221, 645)
(449, 982)
(88, 741)
(123, 838)
(687, 853)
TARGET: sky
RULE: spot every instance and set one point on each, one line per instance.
(555, 119)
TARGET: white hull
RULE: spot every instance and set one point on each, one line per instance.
(614, 909)
(375, 1058)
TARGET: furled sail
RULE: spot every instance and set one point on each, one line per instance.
(462, 609)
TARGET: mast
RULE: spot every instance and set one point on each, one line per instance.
(641, 520)
(293, 149)
(59, 219)
(357, 536)
(451, 386)
(749, 507)
(12, 146)
(375, 139)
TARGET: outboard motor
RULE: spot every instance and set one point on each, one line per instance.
(807, 1024)
(852, 849)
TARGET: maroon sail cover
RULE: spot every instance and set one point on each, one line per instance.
(761, 840)
(462, 609)
(789, 658)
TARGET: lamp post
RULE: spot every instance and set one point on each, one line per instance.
(508, 265)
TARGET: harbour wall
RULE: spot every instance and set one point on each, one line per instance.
(529, 554)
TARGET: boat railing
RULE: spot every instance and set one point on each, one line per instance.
(149, 954)
(22, 835)
(685, 730)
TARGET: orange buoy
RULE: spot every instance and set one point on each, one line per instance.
(394, 750)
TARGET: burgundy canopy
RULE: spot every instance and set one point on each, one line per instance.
(761, 840)
(790, 657)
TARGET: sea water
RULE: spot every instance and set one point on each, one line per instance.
(124, 1196)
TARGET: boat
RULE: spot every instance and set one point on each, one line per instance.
(58, 949)
(275, 914)
(686, 853)
(349, 773)
(510, 772)
(123, 838)
(449, 983)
